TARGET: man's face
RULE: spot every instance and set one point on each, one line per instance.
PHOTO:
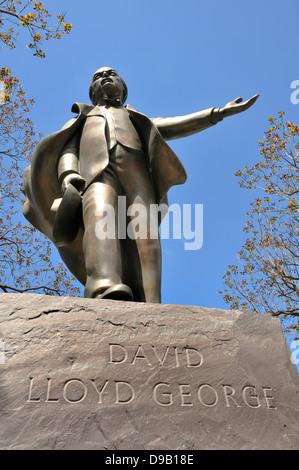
(106, 81)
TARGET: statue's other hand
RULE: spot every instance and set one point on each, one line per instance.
(76, 180)
(237, 106)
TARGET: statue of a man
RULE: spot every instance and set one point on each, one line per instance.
(109, 151)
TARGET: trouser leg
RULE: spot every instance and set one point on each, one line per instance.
(145, 262)
(102, 255)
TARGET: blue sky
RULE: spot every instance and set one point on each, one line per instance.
(178, 57)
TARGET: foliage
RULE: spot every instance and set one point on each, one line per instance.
(15, 14)
(25, 254)
(267, 281)
(25, 263)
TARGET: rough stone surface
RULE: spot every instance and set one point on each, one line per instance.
(93, 374)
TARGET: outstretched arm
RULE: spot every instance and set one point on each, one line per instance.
(183, 126)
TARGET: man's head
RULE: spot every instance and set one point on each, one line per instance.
(106, 84)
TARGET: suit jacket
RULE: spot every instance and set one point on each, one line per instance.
(90, 151)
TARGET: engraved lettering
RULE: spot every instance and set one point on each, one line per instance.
(48, 399)
(205, 390)
(168, 401)
(185, 394)
(228, 393)
(75, 390)
(197, 358)
(128, 395)
(121, 354)
(30, 399)
(161, 361)
(140, 355)
(99, 390)
(169, 356)
(82, 391)
(257, 403)
(176, 356)
(267, 397)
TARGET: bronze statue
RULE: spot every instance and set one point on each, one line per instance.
(109, 151)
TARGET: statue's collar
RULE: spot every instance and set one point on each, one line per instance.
(83, 108)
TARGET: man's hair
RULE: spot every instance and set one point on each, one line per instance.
(125, 93)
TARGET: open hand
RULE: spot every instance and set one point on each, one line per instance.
(237, 106)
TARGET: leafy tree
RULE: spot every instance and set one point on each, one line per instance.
(266, 280)
(15, 14)
(25, 254)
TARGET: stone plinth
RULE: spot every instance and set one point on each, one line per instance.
(94, 374)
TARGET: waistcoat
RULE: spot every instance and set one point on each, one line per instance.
(120, 128)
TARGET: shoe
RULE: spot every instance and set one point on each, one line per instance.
(117, 292)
